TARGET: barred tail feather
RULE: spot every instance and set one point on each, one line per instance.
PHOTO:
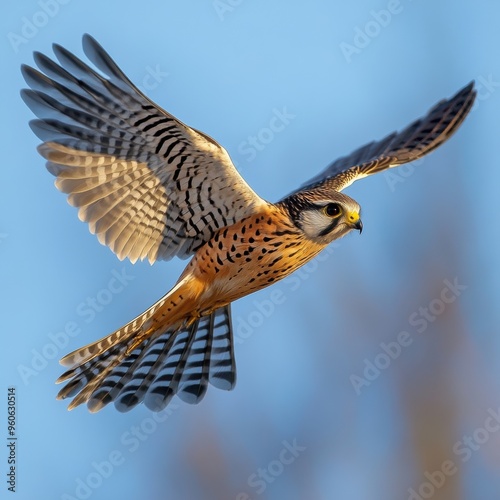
(222, 362)
(180, 361)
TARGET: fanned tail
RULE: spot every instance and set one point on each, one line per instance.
(180, 360)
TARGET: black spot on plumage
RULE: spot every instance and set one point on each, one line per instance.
(286, 232)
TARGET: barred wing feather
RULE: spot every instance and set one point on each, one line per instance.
(148, 185)
(416, 140)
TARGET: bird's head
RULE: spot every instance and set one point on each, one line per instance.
(323, 216)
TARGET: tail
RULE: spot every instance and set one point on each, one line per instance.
(180, 360)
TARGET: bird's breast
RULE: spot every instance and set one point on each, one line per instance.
(250, 255)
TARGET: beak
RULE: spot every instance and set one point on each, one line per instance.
(354, 221)
(358, 225)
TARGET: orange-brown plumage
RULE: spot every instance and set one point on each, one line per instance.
(241, 259)
(248, 256)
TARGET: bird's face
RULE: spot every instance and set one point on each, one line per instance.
(325, 217)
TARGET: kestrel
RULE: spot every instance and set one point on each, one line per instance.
(151, 187)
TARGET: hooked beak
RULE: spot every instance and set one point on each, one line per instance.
(354, 221)
(358, 225)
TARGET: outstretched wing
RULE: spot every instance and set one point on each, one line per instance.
(415, 141)
(147, 184)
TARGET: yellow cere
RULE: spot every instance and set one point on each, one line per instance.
(353, 216)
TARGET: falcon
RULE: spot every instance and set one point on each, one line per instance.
(151, 187)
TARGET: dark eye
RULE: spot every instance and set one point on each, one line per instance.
(332, 210)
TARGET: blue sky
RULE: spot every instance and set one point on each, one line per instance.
(299, 424)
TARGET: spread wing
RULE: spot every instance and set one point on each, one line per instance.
(415, 141)
(147, 184)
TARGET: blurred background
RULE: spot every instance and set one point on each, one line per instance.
(371, 374)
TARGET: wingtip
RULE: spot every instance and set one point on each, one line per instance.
(470, 92)
(88, 38)
(59, 49)
(41, 59)
(470, 88)
(28, 73)
(90, 44)
(25, 94)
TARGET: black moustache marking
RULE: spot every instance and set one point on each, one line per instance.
(328, 229)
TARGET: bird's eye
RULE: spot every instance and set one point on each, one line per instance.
(332, 210)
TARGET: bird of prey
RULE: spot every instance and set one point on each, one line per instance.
(150, 186)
